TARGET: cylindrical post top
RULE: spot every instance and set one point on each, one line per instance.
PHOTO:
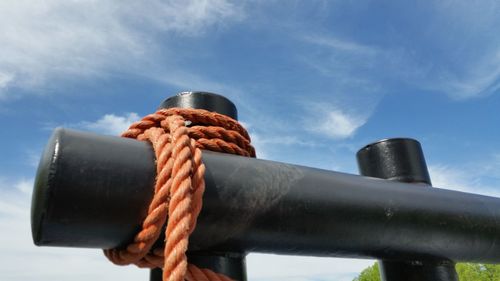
(400, 159)
(202, 100)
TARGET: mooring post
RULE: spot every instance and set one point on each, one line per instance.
(229, 264)
(402, 159)
(92, 191)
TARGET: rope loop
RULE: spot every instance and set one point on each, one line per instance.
(177, 136)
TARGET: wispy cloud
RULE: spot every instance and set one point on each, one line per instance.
(110, 124)
(190, 81)
(47, 263)
(445, 176)
(481, 79)
(55, 40)
(480, 178)
(469, 31)
(15, 192)
(333, 122)
(345, 61)
(454, 52)
(25, 186)
(348, 67)
(5, 79)
(341, 44)
(263, 144)
(269, 138)
(33, 157)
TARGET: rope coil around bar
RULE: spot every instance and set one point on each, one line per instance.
(179, 186)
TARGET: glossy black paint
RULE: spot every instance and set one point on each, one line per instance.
(253, 205)
(399, 159)
(202, 100)
(72, 203)
(92, 191)
(403, 160)
(66, 213)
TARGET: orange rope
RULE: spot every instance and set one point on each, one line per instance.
(179, 186)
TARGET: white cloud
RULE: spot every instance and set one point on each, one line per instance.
(33, 157)
(189, 81)
(25, 186)
(55, 39)
(110, 124)
(470, 32)
(333, 122)
(265, 138)
(5, 79)
(190, 17)
(15, 197)
(466, 178)
(15, 193)
(343, 61)
(469, 80)
(454, 52)
(350, 71)
(341, 44)
(447, 177)
(262, 143)
(21, 260)
(470, 67)
(299, 268)
(339, 124)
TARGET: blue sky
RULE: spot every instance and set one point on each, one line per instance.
(313, 81)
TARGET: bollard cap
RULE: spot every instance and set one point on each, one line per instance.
(400, 159)
(202, 100)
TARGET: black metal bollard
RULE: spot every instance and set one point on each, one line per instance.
(133, 172)
(92, 191)
(403, 160)
(232, 265)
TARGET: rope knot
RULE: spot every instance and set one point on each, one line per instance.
(177, 136)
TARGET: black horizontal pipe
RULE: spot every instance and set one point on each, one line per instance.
(93, 191)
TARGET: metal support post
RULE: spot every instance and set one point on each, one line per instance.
(232, 264)
(403, 160)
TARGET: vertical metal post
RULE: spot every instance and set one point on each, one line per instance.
(233, 266)
(402, 159)
(229, 264)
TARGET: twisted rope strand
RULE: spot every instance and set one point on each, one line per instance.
(179, 186)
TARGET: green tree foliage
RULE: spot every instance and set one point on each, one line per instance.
(369, 274)
(478, 272)
(466, 272)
